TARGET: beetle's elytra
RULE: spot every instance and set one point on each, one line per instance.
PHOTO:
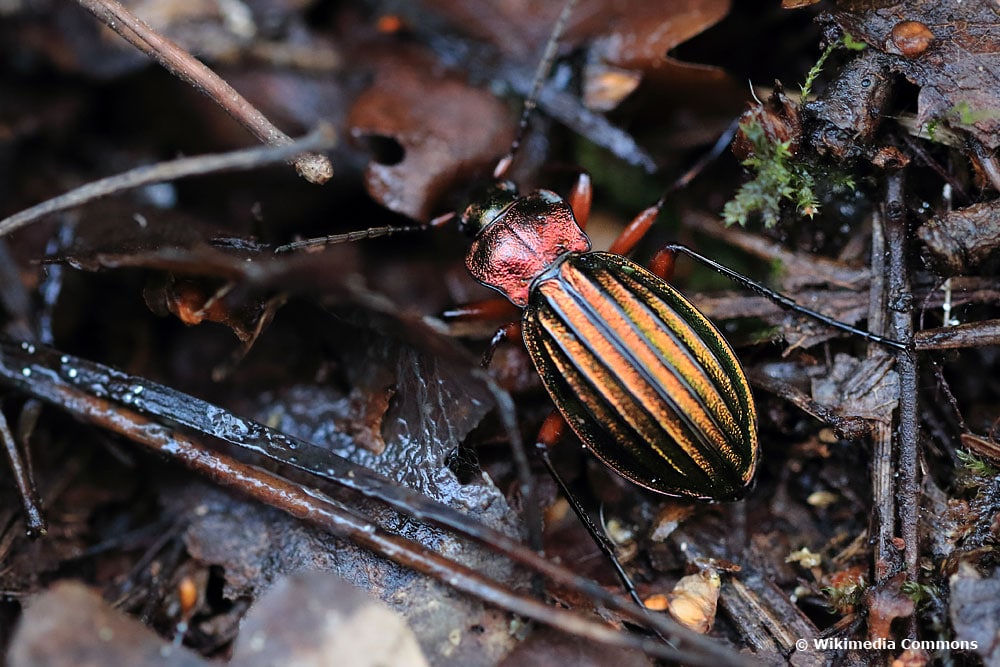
(644, 379)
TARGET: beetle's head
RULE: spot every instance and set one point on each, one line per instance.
(487, 207)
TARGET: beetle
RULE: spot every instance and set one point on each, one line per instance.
(646, 381)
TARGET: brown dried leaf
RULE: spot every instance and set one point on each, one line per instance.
(631, 34)
(975, 611)
(449, 131)
(309, 617)
(886, 602)
(71, 625)
(866, 388)
(637, 34)
(435, 405)
(957, 70)
(445, 129)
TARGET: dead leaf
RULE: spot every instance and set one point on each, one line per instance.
(886, 602)
(866, 388)
(958, 71)
(307, 618)
(975, 611)
(444, 132)
(434, 406)
(694, 600)
(71, 625)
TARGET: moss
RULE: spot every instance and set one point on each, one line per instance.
(845, 597)
(852, 44)
(814, 71)
(919, 593)
(975, 466)
(778, 178)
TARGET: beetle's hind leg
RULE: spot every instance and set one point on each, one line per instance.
(636, 230)
(552, 430)
(665, 257)
(580, 199)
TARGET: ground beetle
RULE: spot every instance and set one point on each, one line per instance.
(639, 374)
(642, 377)
(646, 382)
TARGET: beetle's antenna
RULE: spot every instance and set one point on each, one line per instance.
(346, 237)
(706, 159)
(530, 102)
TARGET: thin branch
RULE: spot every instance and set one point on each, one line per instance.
(901, 321)
(845, 427)
(883, 496)
(321, 510)
(313, 167)
(134, 403)
(971, 334)
(242, 160)
(34, 518)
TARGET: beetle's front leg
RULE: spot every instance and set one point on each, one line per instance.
(635, 231)
(510, 331)
(580, 199)
(488, 310)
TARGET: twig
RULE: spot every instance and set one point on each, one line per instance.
(844, 427)
(883, 497)
(15, 303)
(314, 168)
(34, 519)
(248, 158)
(971, 334)
(66, 382)
(769, 621)
(321, 510)
(901, 320)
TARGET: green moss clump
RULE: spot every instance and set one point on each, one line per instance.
(778, 178)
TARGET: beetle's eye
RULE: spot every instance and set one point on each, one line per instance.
(487, 207)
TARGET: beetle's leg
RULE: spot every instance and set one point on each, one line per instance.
(663, 263)
(20, 467)
(635, 230)
(553, 429)
(490, 310)
(506, 332)
(497, 310)
(580, 199)
(780, 299)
